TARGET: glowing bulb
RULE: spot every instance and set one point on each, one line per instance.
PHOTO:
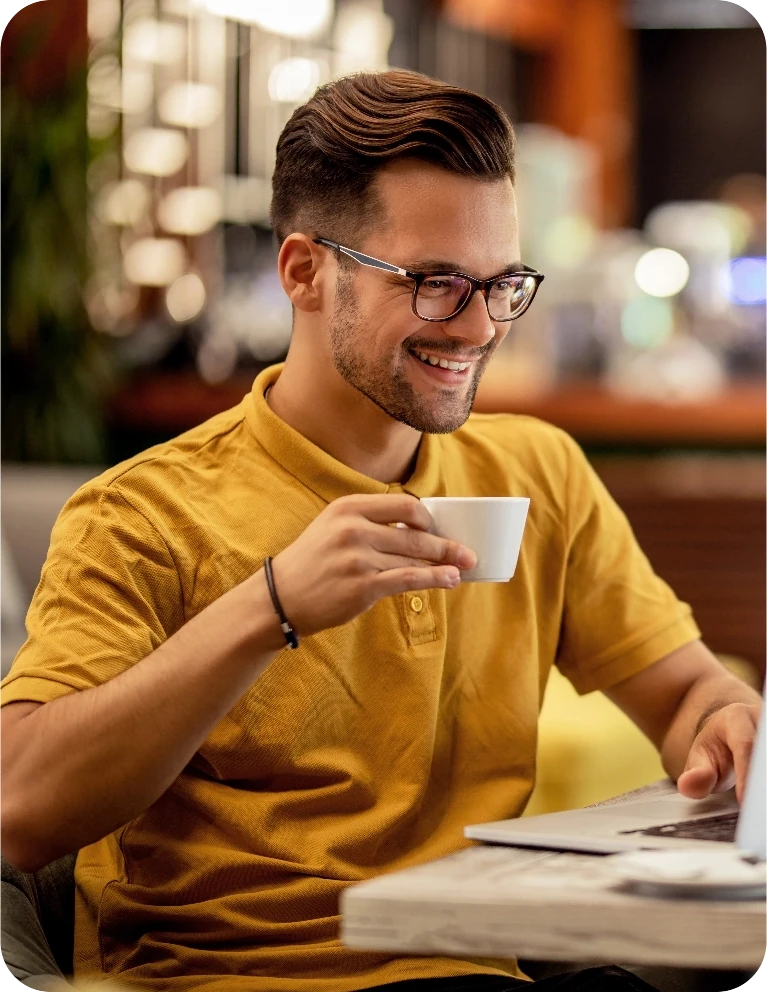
(662, 272)
(189, 104)
(747, 281)
(293, 80)
(156, 151)
(185, 298)
(296, 19)
(123, 203)
(190, 210)
(147, 40)
(154, 261)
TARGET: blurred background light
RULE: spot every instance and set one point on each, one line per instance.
(294, 80)
(647, 321)
(185, 297)
(156, 151)
(137, 90)
(104, 78)
(292, 18)
(190, 210)
(362, 34)
(148, 40)
(747, 281)
(154, 261)
(700, 226)
(662, 272)
(189, 105)
(570, 240)
(103, 18)
(123, 203)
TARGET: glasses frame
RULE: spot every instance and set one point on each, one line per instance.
(477, 285)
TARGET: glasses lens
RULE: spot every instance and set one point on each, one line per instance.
(440, 296)
(510, 297)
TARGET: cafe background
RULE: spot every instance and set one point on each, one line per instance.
(139, 292)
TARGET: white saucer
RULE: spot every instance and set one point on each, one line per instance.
(716, 874)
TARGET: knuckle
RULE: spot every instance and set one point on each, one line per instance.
(410, 576)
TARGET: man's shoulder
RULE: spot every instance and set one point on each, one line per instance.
(170, 471)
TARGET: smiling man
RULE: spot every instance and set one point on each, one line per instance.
(231, 702)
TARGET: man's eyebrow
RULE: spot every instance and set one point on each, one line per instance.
(441, 265)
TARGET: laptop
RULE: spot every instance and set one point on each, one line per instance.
(659, 820)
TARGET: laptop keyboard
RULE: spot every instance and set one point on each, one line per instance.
(721, 827)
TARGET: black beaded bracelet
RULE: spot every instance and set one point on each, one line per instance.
(285, 625)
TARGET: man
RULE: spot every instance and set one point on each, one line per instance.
(222, 788)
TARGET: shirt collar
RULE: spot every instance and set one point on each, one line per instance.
(319, 471)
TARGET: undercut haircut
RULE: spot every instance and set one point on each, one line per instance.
(330, 150)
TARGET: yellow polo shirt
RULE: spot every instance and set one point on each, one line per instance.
(369, 748)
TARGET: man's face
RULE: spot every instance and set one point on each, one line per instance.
(433, 220)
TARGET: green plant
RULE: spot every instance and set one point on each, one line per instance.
(56, 370)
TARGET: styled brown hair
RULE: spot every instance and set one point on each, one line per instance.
(333, 145)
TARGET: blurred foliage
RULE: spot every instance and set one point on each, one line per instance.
(56, 370)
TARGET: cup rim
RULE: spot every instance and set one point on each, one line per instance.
(478, 499)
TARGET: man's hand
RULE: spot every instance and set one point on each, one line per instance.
(701, 718)
(720, 752)
(350, 556)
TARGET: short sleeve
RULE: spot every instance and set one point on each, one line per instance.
(108, 596)
(619, 617)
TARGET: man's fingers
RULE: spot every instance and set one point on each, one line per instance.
(720, 754)
(388, 509)
(413, 579)
(698, 781)
(415, 546)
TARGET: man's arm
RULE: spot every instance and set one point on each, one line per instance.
(701, 718)
(79, 767)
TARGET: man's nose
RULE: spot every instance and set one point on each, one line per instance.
(472, 324)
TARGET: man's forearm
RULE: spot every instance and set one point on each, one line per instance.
(704, 698)
(79, 767)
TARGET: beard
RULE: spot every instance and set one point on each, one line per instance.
(384, 378)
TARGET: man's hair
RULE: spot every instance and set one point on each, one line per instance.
(331, 148)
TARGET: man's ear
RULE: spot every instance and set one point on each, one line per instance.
(302, 273)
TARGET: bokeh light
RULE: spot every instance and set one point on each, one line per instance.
(154, 261)
(647, 322)
(190, 210)
(662, 272)
(156, 151)
(185, 297)
(748, 281)
(294, 80)
(298, 19)
(189, 104)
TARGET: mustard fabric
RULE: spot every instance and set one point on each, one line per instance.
(369, 748)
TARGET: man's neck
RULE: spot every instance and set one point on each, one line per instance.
(345, 424)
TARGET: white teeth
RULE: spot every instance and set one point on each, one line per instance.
(442, 362)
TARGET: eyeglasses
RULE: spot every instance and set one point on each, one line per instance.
(443, 295)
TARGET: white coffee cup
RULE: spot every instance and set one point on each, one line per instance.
(492, 526)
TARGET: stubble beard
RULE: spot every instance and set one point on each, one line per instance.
(383, 380)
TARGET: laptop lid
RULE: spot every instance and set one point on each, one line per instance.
(751, 835)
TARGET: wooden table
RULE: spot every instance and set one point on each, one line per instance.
(495, 901)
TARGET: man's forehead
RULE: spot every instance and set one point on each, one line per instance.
(433, 216)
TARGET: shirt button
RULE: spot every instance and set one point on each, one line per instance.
(416, 604)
